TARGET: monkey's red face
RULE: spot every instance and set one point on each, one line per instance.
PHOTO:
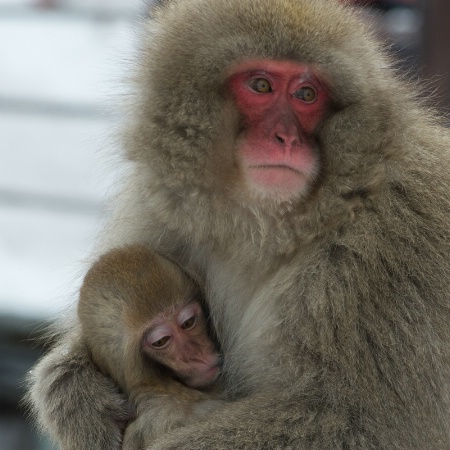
(178, 339)
(281, 104)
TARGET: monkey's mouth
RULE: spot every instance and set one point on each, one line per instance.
(276, 167)
(205, 379)
(280, 178)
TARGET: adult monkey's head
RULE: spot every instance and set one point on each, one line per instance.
(264, 102)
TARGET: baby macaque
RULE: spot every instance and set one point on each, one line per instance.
(145, 326)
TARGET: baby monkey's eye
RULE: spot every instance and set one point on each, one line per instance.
(189, 323)
(260, 85)
(160, 342)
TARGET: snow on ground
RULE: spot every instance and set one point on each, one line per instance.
(41, 258)
(54, 156)
(59, 76)
(53, 187)
(62, 58)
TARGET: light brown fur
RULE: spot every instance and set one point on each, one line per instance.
(122, 293)
(333, 310)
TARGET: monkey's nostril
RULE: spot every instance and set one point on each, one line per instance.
(279, 139)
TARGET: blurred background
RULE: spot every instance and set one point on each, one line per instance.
(62, 66)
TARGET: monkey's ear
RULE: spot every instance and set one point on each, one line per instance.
(161, 3)
(157, 5)
(352, 3)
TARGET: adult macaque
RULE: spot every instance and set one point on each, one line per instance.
(144, 326)
(280, 160)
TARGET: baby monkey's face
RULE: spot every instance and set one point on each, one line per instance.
(178, 339)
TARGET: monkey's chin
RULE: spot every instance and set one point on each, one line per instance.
(204, 379)
(277, 181)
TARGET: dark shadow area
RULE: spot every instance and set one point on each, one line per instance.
(20, 347)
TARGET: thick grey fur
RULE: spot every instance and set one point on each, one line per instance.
(333, 309)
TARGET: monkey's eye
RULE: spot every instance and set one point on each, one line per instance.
(189, 323)
(159, 337)
(160, 343)
(260, 85)
(306, 94)
(189, 316)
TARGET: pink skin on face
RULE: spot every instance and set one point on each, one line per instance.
(179, 340)
(281, 104)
